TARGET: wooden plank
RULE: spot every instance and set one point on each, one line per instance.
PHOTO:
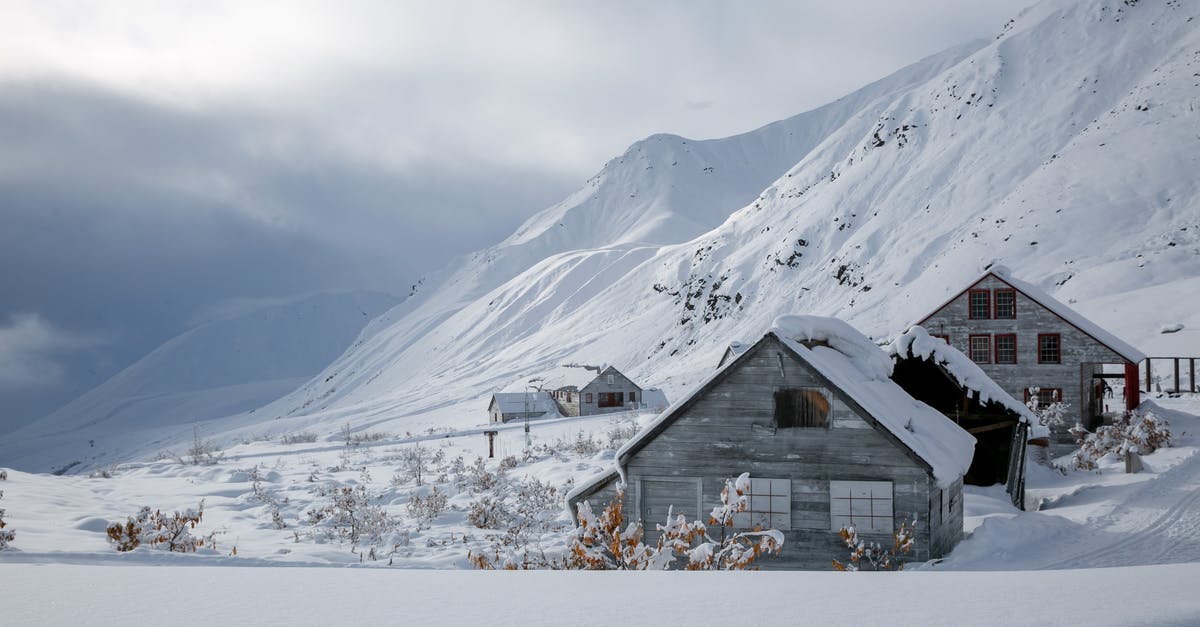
(992, 427)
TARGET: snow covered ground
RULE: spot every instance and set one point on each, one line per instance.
(71, 594)
(1147, 525)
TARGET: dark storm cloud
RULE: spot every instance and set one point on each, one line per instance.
(122, 219)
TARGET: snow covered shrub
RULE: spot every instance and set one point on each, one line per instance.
(872, 555)
(427, 508)
(620, 431)
(488, 513)
(508, 463)
(272, 502)
(416, 462)
(302, 437)
(6, 535)
(158, 530)
(731, 551)
(3, 475)
(477, 477)
(1054, 415)
(351, 516)
(1135, 432)
(600, 543)
(203, 452)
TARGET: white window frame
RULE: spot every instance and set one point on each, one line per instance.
(868, 506)
(769, 505)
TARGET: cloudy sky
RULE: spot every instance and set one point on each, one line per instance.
(162, 163)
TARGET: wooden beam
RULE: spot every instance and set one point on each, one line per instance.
(992, 427)
(1192, 374)
(1148, 388)
(1131, 385)
(1176, 375)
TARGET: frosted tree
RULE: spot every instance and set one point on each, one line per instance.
(6, 534)
(866, 555)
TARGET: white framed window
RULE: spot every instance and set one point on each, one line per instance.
(769, 505)
(864, 505)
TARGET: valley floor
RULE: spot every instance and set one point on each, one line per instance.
(1103, 547)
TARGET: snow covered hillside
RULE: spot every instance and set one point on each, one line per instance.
(1065, 148)
(220, 368)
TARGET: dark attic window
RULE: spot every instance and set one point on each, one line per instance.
(801, 408)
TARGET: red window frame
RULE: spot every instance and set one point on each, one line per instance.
(996, 348)
(987, 295)
(987, 345)
(996, 304)
(1058, 348)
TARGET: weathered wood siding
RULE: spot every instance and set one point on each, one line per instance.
(1081, 354)
(621, 385)
(729, 430)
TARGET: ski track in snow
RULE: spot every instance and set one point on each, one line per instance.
(1159, 524)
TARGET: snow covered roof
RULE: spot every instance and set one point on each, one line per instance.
(568, 376)
(1072, 317)
(515, 402)
(916, 342)
(860, 371)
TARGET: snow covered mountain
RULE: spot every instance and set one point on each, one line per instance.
(1065, 148)
(220, 368)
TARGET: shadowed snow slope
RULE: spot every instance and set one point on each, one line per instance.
(219, 368)
(1064, 148)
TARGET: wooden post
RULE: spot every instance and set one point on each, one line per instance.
(1192, 374)
(1176, 375)
(491, 436)
(1131, 385)
(1148, 388)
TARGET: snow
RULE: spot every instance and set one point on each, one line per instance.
(861, 370)
(1178, 343)
(917, 343)
(35, 595)
(565, 376)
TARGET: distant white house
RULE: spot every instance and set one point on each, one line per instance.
(581, 390)
(509, 406)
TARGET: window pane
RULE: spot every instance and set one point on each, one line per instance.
(981, 349)
(1006, 349)
(979, 304)
(1049, 349)
(1006, 304)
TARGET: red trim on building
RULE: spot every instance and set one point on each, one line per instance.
(1132, 393)
(971, 307)
(996, 303)
(971, 348)
(1059, 348)
(996, 348)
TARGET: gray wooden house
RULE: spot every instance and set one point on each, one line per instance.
(586, 390)
(1025, 340)
(828, 439)
(940, 376)
(509, 406)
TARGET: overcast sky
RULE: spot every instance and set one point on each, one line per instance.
(162, 162)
